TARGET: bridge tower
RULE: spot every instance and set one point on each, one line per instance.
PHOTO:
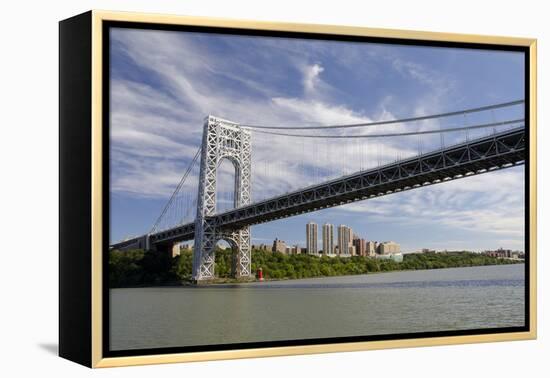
(221, 139)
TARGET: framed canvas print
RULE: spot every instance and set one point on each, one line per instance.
(234, 189)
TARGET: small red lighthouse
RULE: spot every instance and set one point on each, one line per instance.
(260, 274)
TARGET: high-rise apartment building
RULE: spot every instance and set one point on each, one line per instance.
(344, 239)
(311, 238)
(328, 239)
(360, 246)
(351, 236)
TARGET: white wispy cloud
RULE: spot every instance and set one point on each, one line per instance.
(311, 77)
(156, 124)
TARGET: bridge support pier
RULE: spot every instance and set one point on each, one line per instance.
(204, 256)
(221, 139)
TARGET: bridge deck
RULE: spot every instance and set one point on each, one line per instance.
(477, 156)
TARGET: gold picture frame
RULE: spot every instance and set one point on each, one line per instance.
(80, 274)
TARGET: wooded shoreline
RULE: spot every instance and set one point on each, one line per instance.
(139, 268)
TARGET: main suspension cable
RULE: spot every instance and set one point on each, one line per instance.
(377, 123)
(438, 131)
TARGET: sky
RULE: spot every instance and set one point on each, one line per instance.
(164, 83)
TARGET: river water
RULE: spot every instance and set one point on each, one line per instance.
(374, 304)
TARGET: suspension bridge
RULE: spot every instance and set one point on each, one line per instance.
(286, 170)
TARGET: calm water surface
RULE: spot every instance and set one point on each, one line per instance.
(397, 302)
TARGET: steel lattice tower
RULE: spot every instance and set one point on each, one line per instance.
(221, 140)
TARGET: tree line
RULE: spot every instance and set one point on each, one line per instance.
(150, 268)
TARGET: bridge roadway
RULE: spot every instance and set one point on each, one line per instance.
(497, 151)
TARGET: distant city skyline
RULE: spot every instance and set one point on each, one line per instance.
(328, 232)
(348, 243)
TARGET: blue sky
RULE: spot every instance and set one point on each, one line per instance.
(164, 83)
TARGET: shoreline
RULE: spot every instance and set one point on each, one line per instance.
(233, 281)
